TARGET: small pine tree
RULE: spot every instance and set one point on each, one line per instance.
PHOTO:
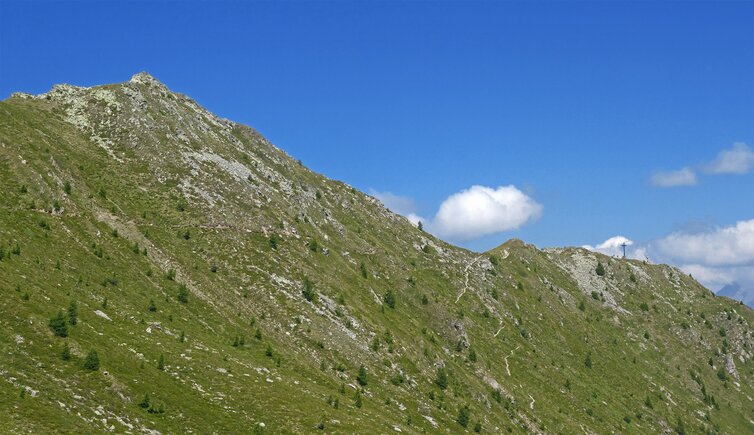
(357, 400)
(152, 306)
(268, 351)
(57, 325)
(472, 355)
(464, 415)
(364, 271)
(145, 402)
(183, 294)
(183, 337)
(91, 362)
(310, 294)
(73, 313)
(65, 355)
(161, 362)
(648, 403)
(390, 298)
(441, 378)
(588, 361)
(420, 225)
(104, 303)
(478, 427)
(600, 269)
(361, 378)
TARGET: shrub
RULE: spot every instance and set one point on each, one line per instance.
(588, 361)
(65, 355)
(361, 377)
(170, 275)
(472, 355)
(463, 416)
(145, 401)
(67, 187)
(600, 269)
(582, 306)
(390, 298)
(357, 400)
(310, 294)
(478, 427)
(183, 294)
(721, 374)
(363, 269)
(494, 260)
(161, 362)
(274, 241)
(496, 396)
(313, 245)
(91, 362)
(73, 313)
(441, 378)
(643, 306)
(152, 306)
(57, 325)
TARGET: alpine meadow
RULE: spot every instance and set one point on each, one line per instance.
(163, 270)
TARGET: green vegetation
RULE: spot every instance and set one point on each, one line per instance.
(357, 316)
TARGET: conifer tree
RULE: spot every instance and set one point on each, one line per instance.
(92, 361)
(73, 313)
(57, 325)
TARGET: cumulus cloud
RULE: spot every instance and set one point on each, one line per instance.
(479, 211)
(731, 245)
(611, 246)
(681, 177)
(715, 256)
(737, 160)
(472, 213)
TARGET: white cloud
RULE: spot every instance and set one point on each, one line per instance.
(711, 277)
(612, 246)
(737, 160)
(731, 245)
(681, 177)
(480, 210)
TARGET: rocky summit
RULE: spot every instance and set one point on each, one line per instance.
(164, 270)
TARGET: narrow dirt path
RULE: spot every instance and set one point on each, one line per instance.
(466, 277)
(507, 367)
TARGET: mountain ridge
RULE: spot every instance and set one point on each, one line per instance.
(269, 282)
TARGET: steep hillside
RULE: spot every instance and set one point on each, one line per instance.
(225, 288)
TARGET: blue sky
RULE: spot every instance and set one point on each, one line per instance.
(576, 104)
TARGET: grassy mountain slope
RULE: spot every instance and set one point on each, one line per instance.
(243, 293)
